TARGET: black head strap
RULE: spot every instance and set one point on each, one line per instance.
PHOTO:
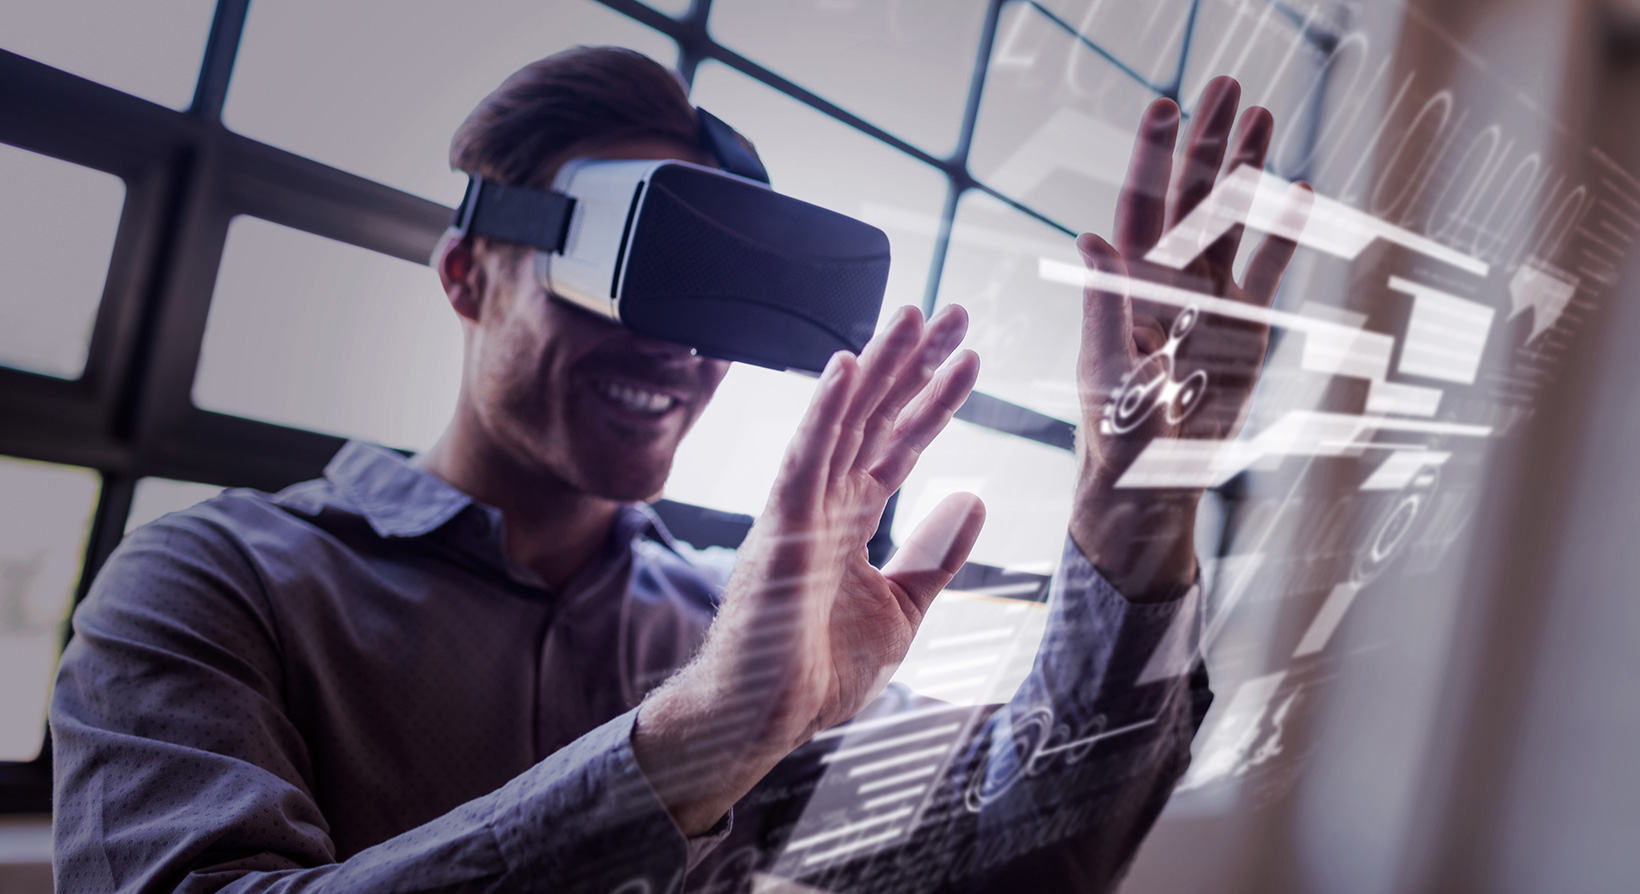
(514, 213)
(724, 144)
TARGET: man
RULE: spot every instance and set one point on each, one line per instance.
(446, 674)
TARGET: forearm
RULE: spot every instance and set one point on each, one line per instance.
(1088, 750)
(689, 748)
(1063, 781)
(157, 788)
(583, 819)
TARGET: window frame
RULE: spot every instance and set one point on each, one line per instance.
(130, 414)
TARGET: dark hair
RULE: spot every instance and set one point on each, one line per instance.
(555, 108)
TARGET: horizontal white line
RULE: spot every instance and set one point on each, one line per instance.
(895, 761)
(1435, 428)
(1004, 589)
(891, 781)
(1078, 275)
(860, 726)
(843, 754)
(852, 846)
(850, 829)
(891, 797)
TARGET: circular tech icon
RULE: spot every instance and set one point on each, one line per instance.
(1395, 526)
(1151, 385)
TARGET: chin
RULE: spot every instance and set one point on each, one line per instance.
(625, 479)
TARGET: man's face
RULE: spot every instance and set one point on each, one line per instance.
(573, 395)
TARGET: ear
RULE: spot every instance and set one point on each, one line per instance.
(460, 273)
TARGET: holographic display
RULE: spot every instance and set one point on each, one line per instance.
(1451, 249)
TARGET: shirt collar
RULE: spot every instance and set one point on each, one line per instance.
(396, 498)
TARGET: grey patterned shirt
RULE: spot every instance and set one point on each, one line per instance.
(349, 686)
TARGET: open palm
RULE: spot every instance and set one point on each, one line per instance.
(816, 631)
(1175, 369)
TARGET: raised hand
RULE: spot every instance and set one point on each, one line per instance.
(809, 631)
(1151, 370)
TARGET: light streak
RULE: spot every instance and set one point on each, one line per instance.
(891, 781)
(891, 797)
(1260, 199)
(850, 829)
(843, 754)
(897, 760)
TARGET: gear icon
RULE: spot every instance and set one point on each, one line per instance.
(1151, 385)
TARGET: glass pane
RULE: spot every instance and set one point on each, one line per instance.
(151, 49)
(904, 66)
(55, 240)
(380, 93)
(309, 332)
(1026, 487)
(45, 515)
(1144, 35)
(1057, 122)
(155, 497)
(1024, 328)
(729, 460)
(814, 158)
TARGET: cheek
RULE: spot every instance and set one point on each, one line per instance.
(712, 376)
(510, 360)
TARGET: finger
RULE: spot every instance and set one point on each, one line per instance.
(925, 418)
(940, 338)
(935, 551)
(1149, 335)
(1252, 144)
(1141, 207)
(879, 364)
(1269, 260)
(1107, 348)
(804, 470)
(1204, 148)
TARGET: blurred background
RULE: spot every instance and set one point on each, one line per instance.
(1423, 623)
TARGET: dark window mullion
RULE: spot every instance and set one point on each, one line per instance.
(216, 68)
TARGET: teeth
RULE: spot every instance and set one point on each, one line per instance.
(637, 399)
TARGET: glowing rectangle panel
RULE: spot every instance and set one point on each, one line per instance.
(1180, 645)
(1402, 400)
(1346, 351)
(1179, 462)
(1401, 467)
(1260, 199)
(1327, 620)
(1227, 748)
(1446, 335)
(1302, 433)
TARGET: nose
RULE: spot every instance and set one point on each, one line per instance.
(669, 352)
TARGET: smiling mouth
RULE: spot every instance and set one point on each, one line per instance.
(636, 399)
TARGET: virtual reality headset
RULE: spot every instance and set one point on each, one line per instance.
(713, 259)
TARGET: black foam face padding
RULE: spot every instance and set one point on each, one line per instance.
(739, 272)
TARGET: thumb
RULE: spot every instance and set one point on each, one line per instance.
(1107, 317)
(935, 551)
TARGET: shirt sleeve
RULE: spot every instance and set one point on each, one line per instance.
(177, 769)
(1089, 749)
(1052, 791)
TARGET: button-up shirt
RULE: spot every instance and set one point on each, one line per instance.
(351, 686)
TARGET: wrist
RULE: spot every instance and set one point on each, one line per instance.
(1142, 541)
(690, 751)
